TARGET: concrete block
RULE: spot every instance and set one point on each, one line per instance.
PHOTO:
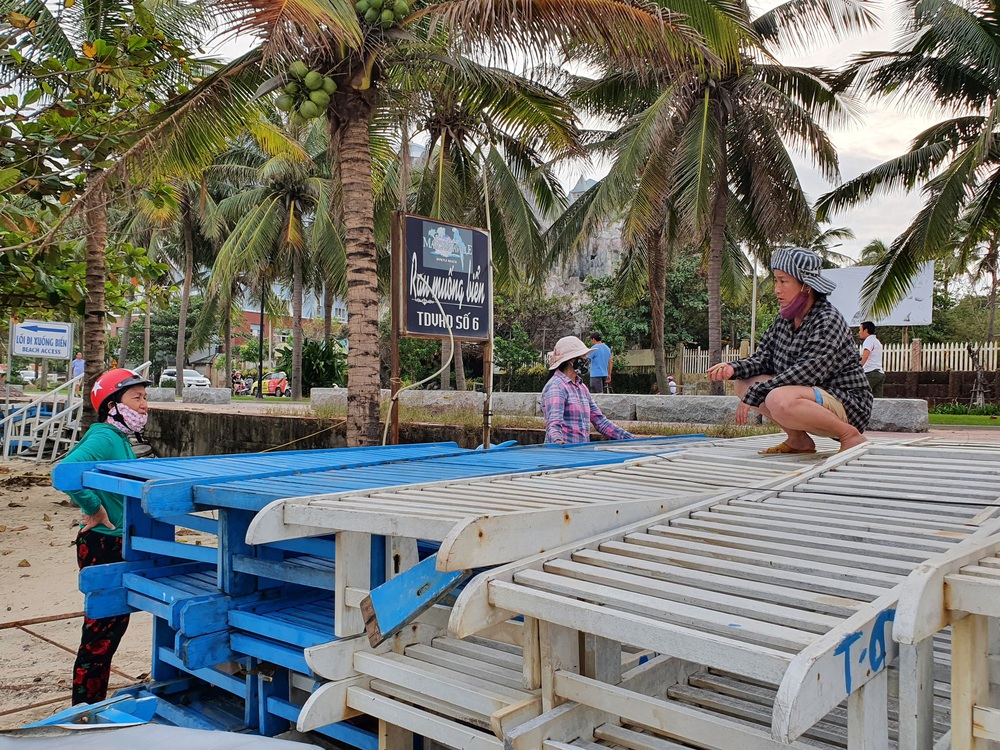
(616, 406)
(160, 395)
(328, 397)
(517, 404)
(207, 396)
(442, 402)
(899, 415)
(689, 409)
(11, 391)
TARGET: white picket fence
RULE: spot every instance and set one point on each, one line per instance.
(696, 360)
(940, 357)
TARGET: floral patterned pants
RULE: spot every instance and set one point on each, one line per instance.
(101, 637)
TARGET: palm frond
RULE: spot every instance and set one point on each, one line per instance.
(903, 172)
(627, 33)
(802, 24)
(697, 162)
(288, 26)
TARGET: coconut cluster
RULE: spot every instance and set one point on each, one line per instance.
(306, 93)
(382, 12)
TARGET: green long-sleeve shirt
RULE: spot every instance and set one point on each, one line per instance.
(102, 442)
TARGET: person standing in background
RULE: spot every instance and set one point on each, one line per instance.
(77, 365)
(600, 364)
(567, 405)
(871, 358)
(671, 385)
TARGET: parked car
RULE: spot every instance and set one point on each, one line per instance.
(275, 384)
(192, 378)
(28, 376)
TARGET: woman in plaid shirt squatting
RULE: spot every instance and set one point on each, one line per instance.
(805, 376)
(568, 407)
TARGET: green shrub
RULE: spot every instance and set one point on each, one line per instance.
(168, 383)
(323, 365)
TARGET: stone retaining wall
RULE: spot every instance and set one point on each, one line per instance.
(888, 414)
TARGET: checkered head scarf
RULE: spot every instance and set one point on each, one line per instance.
(804, 265)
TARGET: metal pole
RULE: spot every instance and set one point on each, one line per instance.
(396, 251)
(488, 348)
(260, 341)
(753, 308)
(10, 363)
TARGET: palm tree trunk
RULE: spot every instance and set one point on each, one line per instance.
(459, 364)
(94, 336)
(656, 273)
(227, 331)
(716, 245)
(362, 282)
(993, 303)
(146, 336)
(187, 236)
(327, 313)
(297, 325)
(446, 372)
(126, 330)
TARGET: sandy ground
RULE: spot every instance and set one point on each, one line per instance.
(38, 579)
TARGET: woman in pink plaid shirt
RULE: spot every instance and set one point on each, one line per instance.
(568, 407)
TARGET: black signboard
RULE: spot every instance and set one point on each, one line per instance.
(452, 263)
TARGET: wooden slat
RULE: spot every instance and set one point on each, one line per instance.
(698, 597)
(421, 722)
(645, 632)
(765, 571)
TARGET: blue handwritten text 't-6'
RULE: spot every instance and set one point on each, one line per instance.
(875, 653)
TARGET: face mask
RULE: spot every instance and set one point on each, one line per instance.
(128, 419)
(797, 306)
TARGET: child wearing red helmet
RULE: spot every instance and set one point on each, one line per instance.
(119, 398)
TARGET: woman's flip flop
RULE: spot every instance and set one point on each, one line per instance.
(784, 448)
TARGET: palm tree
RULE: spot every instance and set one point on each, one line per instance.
(948, 58)
(492, 134)
(281, 224)
(365, 60)
(42, 34)
(703, 158)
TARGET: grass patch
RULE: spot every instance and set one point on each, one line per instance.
(974, 420)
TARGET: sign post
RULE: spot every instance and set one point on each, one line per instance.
(396, 248)
(10, 366)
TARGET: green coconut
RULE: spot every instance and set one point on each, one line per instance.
(308, 110)
(320, 98)
(297, 119)
(291, 88)
(388, 19)
(376, 4)
(298, 69)
(401, 9)
(329, 85)
(313, 80)
(362, 6)
(285, 103)
(372, 15)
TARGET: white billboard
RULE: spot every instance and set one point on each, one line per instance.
(913, 310)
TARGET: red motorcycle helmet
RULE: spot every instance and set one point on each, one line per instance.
(112, 382)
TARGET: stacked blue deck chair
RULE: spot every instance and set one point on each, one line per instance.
(232, 621)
